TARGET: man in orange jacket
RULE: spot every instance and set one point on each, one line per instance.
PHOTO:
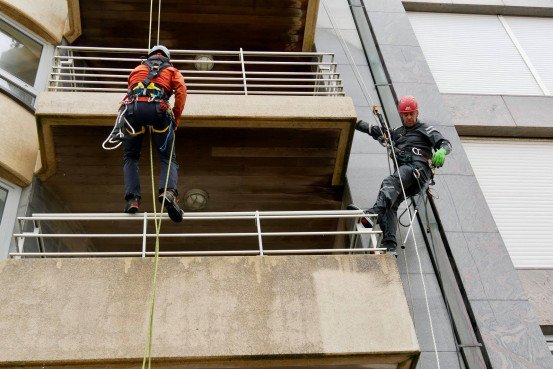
(151, 84)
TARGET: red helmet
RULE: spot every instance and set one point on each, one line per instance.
(407, 104)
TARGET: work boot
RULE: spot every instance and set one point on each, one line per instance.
(173, 209)
(366, 221)
(133, 203)
(390, 247)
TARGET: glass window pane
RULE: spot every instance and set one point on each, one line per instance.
(18, 92)
(3, 197)
(19, 54)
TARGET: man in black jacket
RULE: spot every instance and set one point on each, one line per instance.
(417, 146)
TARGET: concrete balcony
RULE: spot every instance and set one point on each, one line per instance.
(274, 134)
(234, 312)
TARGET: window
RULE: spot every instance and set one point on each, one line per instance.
(9, 202)
(24, 62)
(19, 54)
(3, 198)
(487, 54)
(515, 176)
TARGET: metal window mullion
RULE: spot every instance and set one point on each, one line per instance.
(524, 56)
(19, 83)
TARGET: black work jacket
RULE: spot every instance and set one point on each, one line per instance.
(416, 143)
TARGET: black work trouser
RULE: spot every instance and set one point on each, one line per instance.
(391, 196)
(141, 114)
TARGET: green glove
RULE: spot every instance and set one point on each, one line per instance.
(438, 158)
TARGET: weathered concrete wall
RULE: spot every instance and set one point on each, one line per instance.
(207, 309)
(19, 148)
(45, 18)
(104, 105)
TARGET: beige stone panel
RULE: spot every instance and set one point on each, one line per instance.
(293, 309)
(45, 18)
(104, 105)
(19, 143)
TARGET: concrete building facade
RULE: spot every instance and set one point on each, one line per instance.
(461, 294)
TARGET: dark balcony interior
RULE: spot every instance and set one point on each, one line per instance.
(264, 25)
(242, 169)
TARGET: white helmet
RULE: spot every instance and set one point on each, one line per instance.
(160, 49)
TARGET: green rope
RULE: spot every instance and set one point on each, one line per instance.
(148, 346)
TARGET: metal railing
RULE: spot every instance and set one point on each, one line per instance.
(369, 244)
(97, 69)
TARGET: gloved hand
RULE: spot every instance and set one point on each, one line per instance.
(438, 158)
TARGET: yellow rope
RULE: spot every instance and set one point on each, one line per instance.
(157, 221)
(148, 347)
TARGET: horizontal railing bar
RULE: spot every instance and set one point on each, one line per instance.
(86, 88)
(341, 93)
(138, 60)
(192, 61)
(319, 251)
(135, 253)
(189, 71)
(226, 217)
(110, 216)
(96, 75)
(88, 82)
(237, 85)
(221, 92)
(293, 73)
(193, 253)
(293, 79)
(194, 78)
(131, 235)
(288, 86)
(187, 235)
(100, 69)
(193, 52)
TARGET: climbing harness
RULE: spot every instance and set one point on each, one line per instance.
(147, 88)
(389, 141)
(144, 91)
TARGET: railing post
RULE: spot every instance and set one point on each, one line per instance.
(259, 238)
(243, 71)
(36, 225)
(144, 230)
(355, 237)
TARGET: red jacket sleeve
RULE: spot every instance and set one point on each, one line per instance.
(179, 88)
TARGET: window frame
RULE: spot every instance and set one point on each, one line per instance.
(7, 221)
(44, 65)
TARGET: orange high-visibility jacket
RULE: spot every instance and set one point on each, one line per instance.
(170, 79)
